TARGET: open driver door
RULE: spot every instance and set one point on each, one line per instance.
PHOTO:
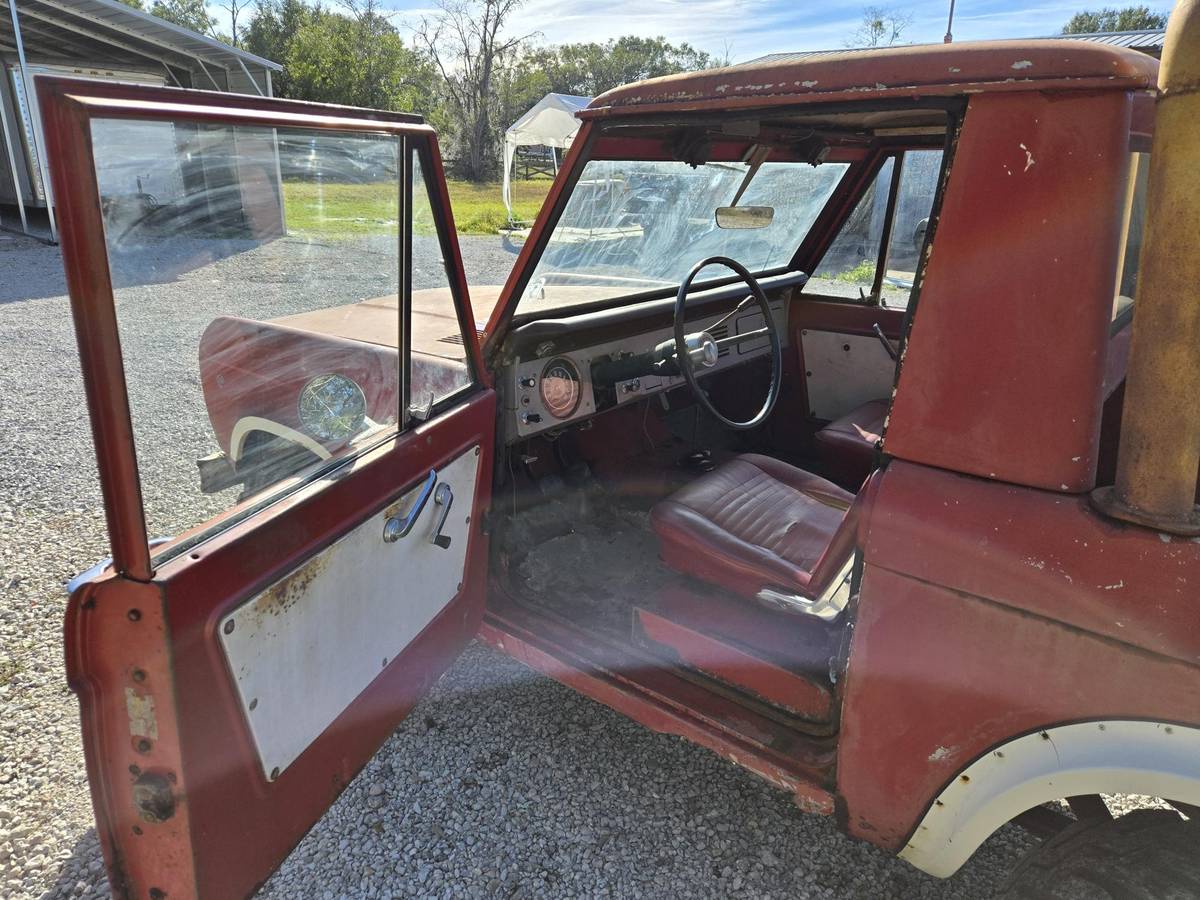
(284, 381)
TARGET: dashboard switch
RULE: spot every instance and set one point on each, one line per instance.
(528, 381)
(528, 418)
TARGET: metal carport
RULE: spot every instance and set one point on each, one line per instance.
(96, 39)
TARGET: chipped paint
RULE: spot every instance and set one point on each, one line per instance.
(843, 77)
(142, 720)
(1029, 161)
(812, 805)
(1114, 587)
(941, 753)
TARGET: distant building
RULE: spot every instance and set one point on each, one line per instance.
(95, 39)
(1148, 41)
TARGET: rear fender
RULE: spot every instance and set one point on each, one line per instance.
(1098, 757)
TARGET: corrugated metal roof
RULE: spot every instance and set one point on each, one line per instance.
(1148, 40)
(103, 33)
(798, 55)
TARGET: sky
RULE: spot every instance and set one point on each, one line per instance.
(746, 29)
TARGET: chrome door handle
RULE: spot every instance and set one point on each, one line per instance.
(443, 497)
(395, 528)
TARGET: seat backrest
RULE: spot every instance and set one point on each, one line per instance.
(834, 563)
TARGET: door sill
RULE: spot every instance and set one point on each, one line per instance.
(664, 702)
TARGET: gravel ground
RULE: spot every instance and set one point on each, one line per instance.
(502, 783)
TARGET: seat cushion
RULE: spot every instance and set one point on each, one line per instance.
(754, 522)
(847, 445)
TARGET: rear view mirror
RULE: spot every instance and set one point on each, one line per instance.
(745, 216)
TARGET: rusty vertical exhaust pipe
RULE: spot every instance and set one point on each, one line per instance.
(1159, 451)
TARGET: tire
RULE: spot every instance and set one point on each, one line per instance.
(1148, 854)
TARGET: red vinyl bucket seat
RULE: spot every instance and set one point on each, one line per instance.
(764, 530)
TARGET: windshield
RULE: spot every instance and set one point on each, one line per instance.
(638, 225)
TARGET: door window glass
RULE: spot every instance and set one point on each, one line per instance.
(848, 267)
(1134, 226)
(440, 365)
(256, 275)
(857, 264)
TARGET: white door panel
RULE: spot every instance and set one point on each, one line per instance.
(844, 371)
(302, 650)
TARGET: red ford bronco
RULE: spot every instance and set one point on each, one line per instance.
(838, 415)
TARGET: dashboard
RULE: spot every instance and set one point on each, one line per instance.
(551, 384)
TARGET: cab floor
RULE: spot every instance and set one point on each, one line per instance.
(589, 556)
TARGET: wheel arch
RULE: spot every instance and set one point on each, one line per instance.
(1124, 756)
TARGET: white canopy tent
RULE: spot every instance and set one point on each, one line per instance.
(550, 123)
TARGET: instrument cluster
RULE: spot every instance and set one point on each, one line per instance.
(556, 388)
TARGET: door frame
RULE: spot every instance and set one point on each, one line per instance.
(68, 107)
(182, 806)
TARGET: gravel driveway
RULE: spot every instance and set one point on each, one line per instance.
(502, 783)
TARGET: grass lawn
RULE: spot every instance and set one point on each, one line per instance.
(331, 210)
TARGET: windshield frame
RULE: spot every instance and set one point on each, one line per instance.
(504, 315)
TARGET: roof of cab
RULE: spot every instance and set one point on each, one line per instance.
(913, 71)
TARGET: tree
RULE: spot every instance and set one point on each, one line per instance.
(191, 14)
(465, 43)
(589, 69)
(358, 61)
(235, 9)
(881, 27)
(270, 32)
(1131, 18)
(136, 4)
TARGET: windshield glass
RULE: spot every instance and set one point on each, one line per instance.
(638, 225)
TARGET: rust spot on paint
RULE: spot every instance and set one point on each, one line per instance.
(289, 591)
(153, 798)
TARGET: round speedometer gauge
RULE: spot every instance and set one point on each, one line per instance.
(560, 387)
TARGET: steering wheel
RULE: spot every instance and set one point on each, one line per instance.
(700, 348)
